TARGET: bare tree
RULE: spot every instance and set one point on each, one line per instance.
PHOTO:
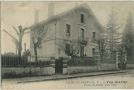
(74, 46)
(17, 40)
(37, 38)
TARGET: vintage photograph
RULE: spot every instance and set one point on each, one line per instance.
(67, 45)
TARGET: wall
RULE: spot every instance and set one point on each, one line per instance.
(107, 66)
(93, 68)
(28, 70)
(47, 47)
(130, 66)
(50, 70)
(73, 19)
(81, 69)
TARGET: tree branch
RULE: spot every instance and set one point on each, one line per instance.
(15, 30)
(10, 35)
(16, 43)
(24, 29)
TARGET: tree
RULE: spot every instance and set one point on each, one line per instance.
(37, 38)
(17, 41)
(14, 40)
(102, 45)
(128, 37)
(112, 34)
(73, 49)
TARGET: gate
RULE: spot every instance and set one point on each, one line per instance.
(59, 66)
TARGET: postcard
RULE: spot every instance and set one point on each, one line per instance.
(67, 45)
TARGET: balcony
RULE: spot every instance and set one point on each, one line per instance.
(83, 42)
(68, 34)
(93, 40)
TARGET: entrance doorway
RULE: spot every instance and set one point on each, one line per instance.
(59, 66)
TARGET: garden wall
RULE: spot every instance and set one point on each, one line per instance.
(81, 69)
(27, 71)
(130, 66)
(107, 66)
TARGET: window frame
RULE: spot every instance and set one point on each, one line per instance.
(82, 33)
(67, 48)
(82, 18)
(94, 35)
(68, 30)
(93, 51)
(82, 51)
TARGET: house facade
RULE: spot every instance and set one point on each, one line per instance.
(72, 33)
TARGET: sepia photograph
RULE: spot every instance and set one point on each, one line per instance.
(67, 45)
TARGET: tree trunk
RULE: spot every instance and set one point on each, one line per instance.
(35, 52)
(20, 47)
(19, 52)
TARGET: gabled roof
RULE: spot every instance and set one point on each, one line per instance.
(83, 7)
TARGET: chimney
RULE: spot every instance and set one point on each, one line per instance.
(50, 9)
(36, 16)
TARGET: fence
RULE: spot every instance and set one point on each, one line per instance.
(13, 61)
(16, 61)
(15, 66)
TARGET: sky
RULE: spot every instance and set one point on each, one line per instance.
(22, 13)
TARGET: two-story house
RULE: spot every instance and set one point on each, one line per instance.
(72, 33)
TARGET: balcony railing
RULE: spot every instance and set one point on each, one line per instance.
(93, 40)
(83, 42)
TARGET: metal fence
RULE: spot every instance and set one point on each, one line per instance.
(16, 61)
(13, 61)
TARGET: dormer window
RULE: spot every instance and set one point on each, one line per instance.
(82, 18)
(68, 28)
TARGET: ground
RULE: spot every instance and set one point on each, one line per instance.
(119, 80)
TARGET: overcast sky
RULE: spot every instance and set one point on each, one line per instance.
(22, 13)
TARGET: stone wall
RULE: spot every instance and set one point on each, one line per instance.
(130, 66)
(107, 66)
(81, 69)
(86, 69)
(50, 70)
(27, 71)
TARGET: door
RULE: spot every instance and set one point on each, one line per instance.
(59, 66)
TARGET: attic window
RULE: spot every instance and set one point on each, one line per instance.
(82, 18)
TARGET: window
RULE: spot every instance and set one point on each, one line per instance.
(39, 42)
(94, 35)
(68, 28)
(82, 34)
(67, 49)
(82, 18)
(81, 51)
(93, 51)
